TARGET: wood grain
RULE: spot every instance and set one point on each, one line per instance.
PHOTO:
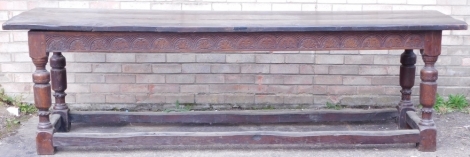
(245, 137)
(213, 21)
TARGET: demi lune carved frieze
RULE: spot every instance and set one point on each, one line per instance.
(207, 42)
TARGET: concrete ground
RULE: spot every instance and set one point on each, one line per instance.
(453, 141)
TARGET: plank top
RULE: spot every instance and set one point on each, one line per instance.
(211, 21)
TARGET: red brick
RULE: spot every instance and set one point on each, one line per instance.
(372, 70)
(194, 88)
(298, 99)
(239, 78)
(115, 98)
(152, 98)
(269, 79)
(350, 90)
(287, 89)
(135, 88)
(150, 78)
(104, 88)
(209, 78)
(298, 79)
(164, 88)
(312, 89)
(307, 69)
(209, 98)
(238, 88)
(385, 80)
(90, 98)
(136, 68)
(269, 99)
(239, 99)
(181, 98)
(120, 79)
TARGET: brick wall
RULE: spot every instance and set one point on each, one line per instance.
(280, 79)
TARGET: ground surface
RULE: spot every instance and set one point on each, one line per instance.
(453, 141)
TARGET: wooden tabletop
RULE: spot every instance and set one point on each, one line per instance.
(212, 21)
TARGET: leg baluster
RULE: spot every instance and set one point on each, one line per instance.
(59, 85)
(428, 88)
(407, 80)
(42, 101)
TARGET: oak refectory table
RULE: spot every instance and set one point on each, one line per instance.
(60, 31)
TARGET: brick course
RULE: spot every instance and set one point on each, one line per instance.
(365, 77)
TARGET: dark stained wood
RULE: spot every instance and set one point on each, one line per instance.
(233, 117)
(245, 137)
(56, 122)
(412, 119)
(200, 21)
(407, 80)
(428, 134)
(59, 84)
(138, 42)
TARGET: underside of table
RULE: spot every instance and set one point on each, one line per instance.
(413, 129)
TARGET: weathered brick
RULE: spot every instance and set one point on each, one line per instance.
(181, 98)
(106, 67)
(134, 88)
(269, 99)
(358, 59)
(350, 90)
(152, 98)
(166, 68)
(197, 6)
(239, 98)
(254, 68)
(4, 36)
(5, 57)
(452, 39)
(373, 70)
(78, 88)
(105, 88)
(196, 68)
(14, 47)
(370, 90)
(16, 67)
(20, 36)
(178, 58)
(321, 69)
(356, 80)
(214, 58)
(388, 80)
(286, 7)
(225, 68)
(240, 58)
(150, 78)
(150, 57)
(136, 68)
(287, 89)
(328, 79)
(298, 79)
(298, 99)
(135, 5)
(312, 89)
(226, 6)
(209, 78)
(90, 57)
(303, 58)
(239, 88)
(107, 5)
(74, 4)
(269, 58)
(115, 98)
(120, 79)
(256, 7)
(194, 88)
(10, 77)
(239, 78)
(120, 57)
(180, 78)
(358, 101)
(209, 98)
(13, 5)
(166, 6)
(284, 68)
(307, 69)
(79, 67)
(90, 98)
(466, 61)
(89, 78)
(164, 88)
(344, 69)
(329, 59)
(269, 79)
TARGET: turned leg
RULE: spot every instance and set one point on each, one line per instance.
(59, 84)
(407, 80)
(427, 98)
(42, 101)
